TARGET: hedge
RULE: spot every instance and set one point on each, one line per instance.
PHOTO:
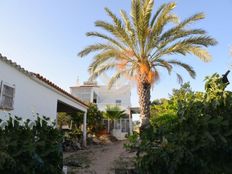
(28, 147)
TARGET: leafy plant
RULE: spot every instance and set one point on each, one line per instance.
(165, 110)
(162, 111)
(30, 147)
(63, 119)
(113, 112)
(198, 139)
(75, 122)
(94, 118)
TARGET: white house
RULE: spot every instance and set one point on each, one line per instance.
(24, 94)
(102, 96)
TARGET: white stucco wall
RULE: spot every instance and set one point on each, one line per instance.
(106, 96)
(109, 96)
(31, 95)
(84, 93)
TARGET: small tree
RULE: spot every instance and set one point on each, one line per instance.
(63, 119)
(94, 118)
(113, 113)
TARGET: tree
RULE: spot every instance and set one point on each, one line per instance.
(114, 113)
(137, 47)
(164, 110)
(94, 118)
(63, 119)
(195, 138)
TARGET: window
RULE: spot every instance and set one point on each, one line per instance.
(7, 93)
(118, 102)
(125, 125)
(94, 97)
(117, 124)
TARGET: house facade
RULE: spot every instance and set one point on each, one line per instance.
(102, 97)
(26, 94)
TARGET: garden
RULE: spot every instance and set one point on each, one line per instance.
(30, 147)
(190, 133)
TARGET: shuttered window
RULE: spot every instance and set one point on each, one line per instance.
(7, 93)
(118, 102)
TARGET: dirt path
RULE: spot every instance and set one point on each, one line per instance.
(100, 159)
(104, 159)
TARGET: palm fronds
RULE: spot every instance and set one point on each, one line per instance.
(143, 40)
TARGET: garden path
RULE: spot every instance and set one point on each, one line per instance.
(101, 159)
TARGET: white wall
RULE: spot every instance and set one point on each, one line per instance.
(84, 93)
(31, 96)
(109, 96)
(105, 96)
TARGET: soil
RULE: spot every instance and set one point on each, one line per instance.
(100, 159)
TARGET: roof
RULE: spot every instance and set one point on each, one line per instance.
(40, 77)
(15, 65)
(58, 88)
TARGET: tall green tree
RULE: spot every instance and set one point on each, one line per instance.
(138, 46)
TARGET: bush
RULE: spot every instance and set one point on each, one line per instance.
(198, 140)
(94, 119)
(30, 147)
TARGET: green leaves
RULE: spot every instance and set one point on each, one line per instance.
(93, 48)
(143, 37)
(94, 118)
(103, 36)
(190, 133)
(187, 67)
(113, 112)
(30, 150)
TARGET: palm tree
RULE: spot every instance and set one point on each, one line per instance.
(114, 112)
(138, 46)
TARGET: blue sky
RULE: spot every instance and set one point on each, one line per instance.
(45, 36)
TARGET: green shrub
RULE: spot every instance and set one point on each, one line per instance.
(94, 119)
(199, 138)
(30, 148)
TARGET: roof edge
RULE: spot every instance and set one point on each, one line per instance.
(40, 78)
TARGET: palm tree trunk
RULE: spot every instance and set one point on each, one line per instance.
(144, 90)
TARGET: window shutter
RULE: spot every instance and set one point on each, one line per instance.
(1, 89)
(7, 96)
